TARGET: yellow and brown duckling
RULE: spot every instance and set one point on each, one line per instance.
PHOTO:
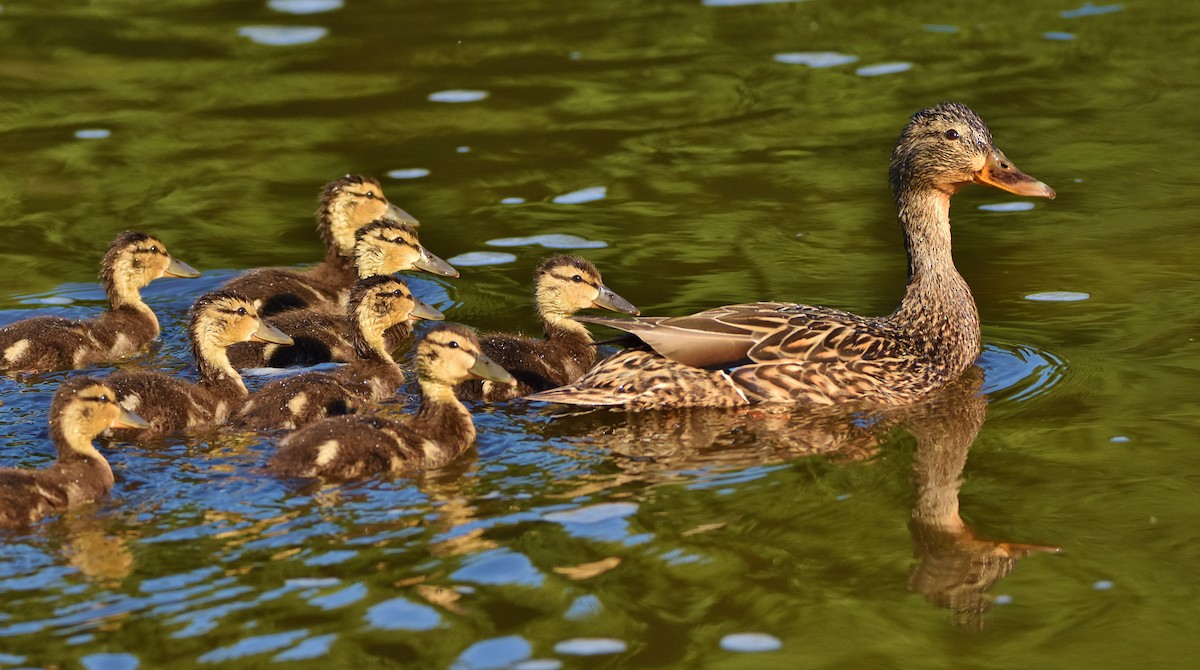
(82, 408)
(349, 447)
(346, 205)
(565, 284)
(217, 320)
(382, 247)
(45, 343)
(378, 305)
(790, 353)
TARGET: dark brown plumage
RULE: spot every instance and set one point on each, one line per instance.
(45, 343)
(168, 404)
(81, 409)
(381, 247)
(377, 306)
(784, 352)
(564, 284)
(349, 447)
(346, 205)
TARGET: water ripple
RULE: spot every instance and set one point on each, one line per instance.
(1019, 372)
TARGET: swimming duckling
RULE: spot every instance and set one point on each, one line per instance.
(81, 409)
(217, 320)
(382, 247)
(377, 305)
(347, 204)
(565, 285)
(45, 343)
(347, 447)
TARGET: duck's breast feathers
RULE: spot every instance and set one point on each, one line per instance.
(734, 335)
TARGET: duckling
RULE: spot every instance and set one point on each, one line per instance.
(217, 320)
(377, 305)
(347, 204)
(348, 447)
(46, 343)
(565, 285)
(81, 409)
(381, 247)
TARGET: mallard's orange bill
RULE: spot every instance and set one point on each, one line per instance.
(1001, 173)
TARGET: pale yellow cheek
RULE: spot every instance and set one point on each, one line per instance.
(14, 352)
(297, 404)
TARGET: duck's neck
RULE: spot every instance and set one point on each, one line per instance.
(129, 298)
(937, 306)
(217, 374)
(75, 445)
(560, 327)
(444, 422)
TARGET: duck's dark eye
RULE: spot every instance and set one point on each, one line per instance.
(241, 311)
(577, 278)
(370, 194)
(952, 134)
(154, 249)
(104, 397)
(453, 344)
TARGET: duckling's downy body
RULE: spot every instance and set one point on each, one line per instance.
(564, 284)
(349, 447)
(377, 305)
(785, 352)
(346, 205)
(218, 319)
(46, 343)
(81, 409)
(382, 247)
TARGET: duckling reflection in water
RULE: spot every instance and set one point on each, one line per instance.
(346, 205)
(564, 285)
(319, 335)
(350, 447)
(81, 409)
(46, 343)
(377, 305)
(218, 319)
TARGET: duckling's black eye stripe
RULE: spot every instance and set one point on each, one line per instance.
(447, 346)
(571, 278)
(90, 399)
(225, 310)
(149, 251)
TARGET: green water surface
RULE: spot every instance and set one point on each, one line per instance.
(722, 170)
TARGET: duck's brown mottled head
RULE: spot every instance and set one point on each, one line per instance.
(567, 284)
(946, 147)
(450, 354)
(380, 302)
(385, 246)
(134, 260)
(219, 319)
(350, 203)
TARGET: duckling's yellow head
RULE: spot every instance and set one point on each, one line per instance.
(83, 407)
(219, 319)
(134, 260)
(947, 146)
(385, 246)
(567, 284)
(450, 354)
(380, 302)
(350, 203)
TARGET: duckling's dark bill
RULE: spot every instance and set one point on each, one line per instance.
(397, 214)
(178, 268)
(431, 263)
(128, 419)
(1001, 173)
(268, 333)
(423, 310)
(610, 300)
(486, 368)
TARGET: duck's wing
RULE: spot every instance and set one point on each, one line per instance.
(762, 332)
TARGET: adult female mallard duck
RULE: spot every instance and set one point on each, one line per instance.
(565, 284)
(45, 343)
(358, 445)
(377, 305)
(217, 320)
(82, 408)
(347, 204)
(784, 352)
(319, 335)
